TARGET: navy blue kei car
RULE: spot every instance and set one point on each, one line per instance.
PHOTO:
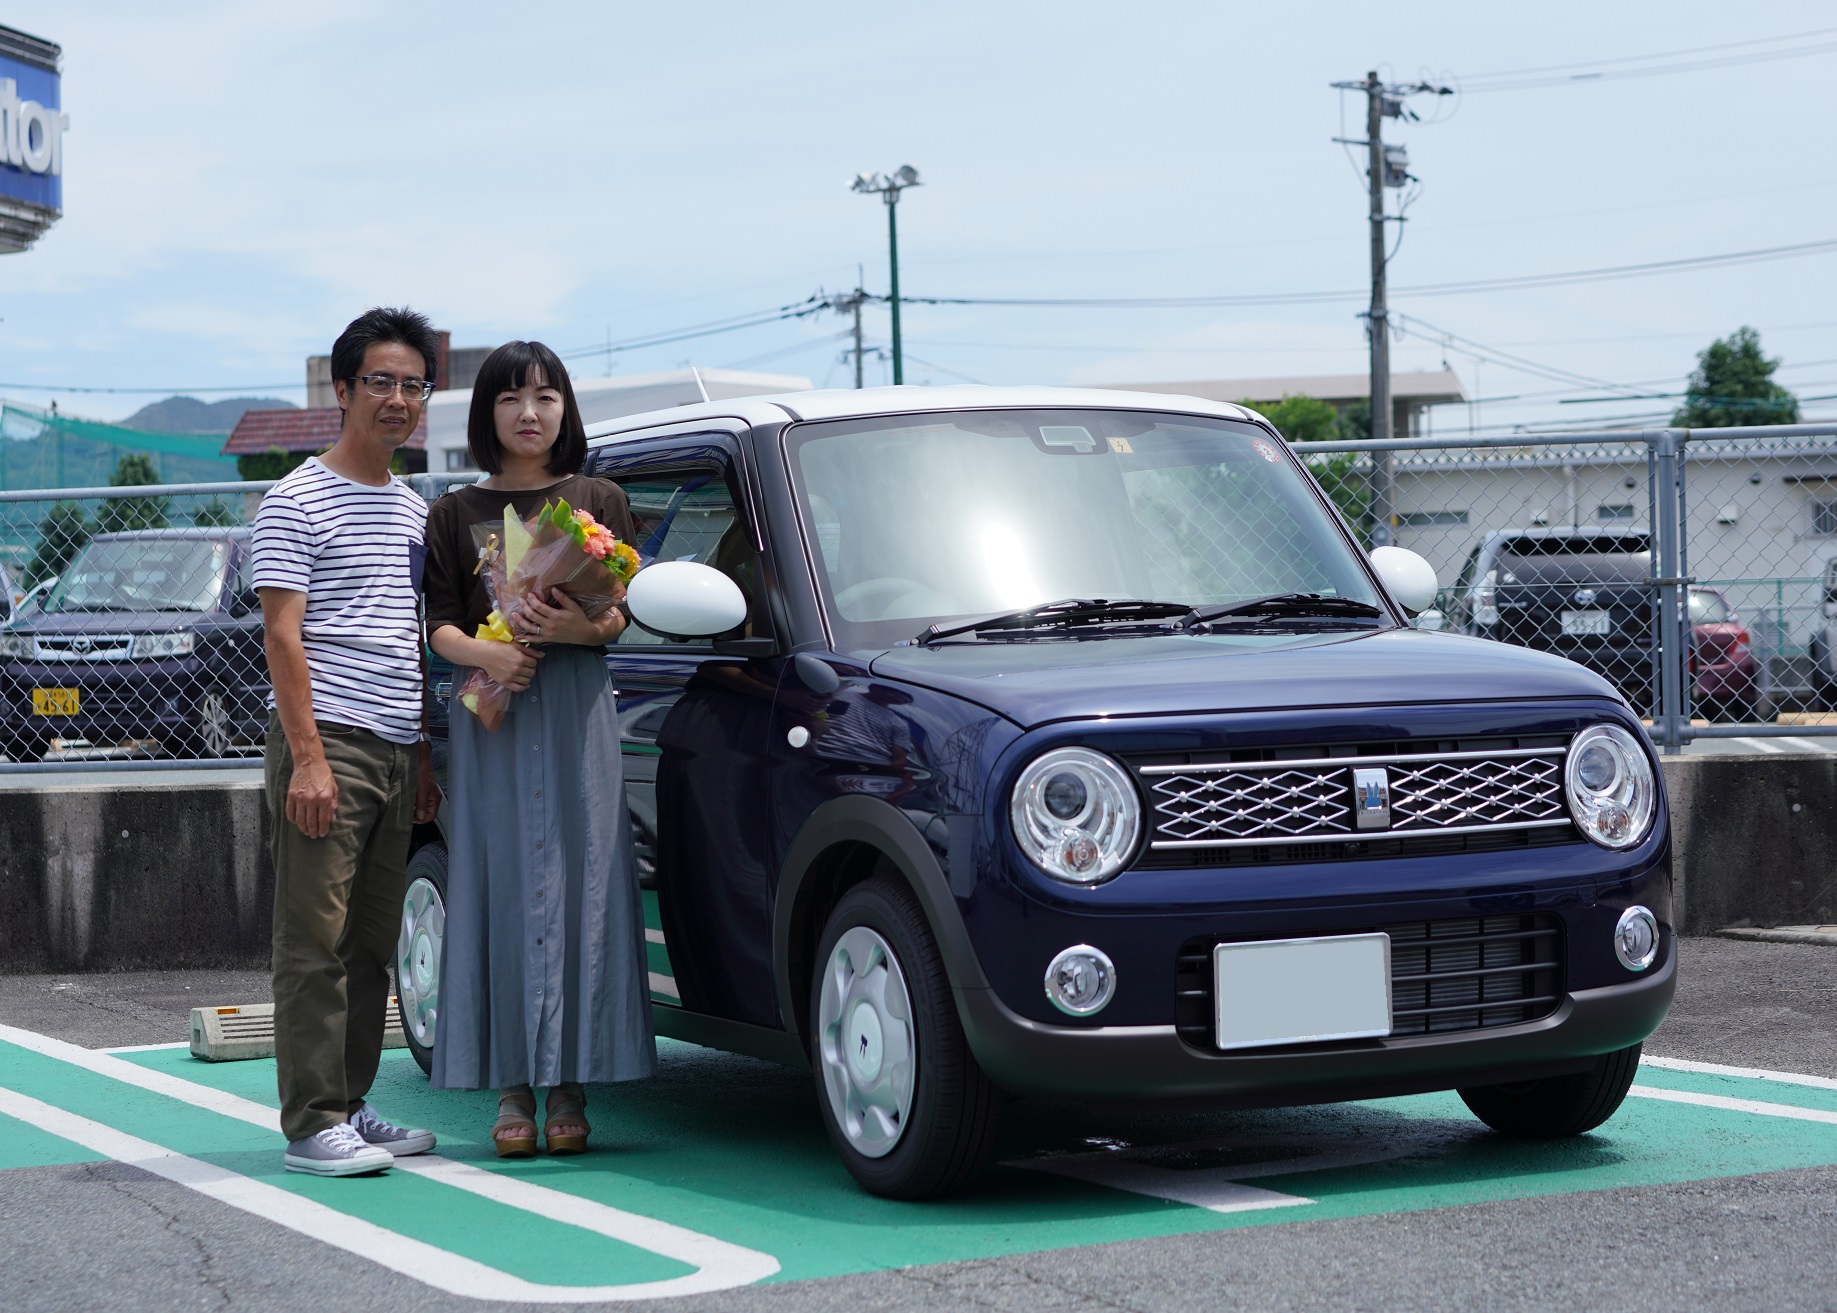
(991, 742)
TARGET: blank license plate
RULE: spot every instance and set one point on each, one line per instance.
(1586, 624)
(1296, 991)
(54, 701)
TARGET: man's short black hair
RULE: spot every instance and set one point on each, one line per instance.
(506, 370)
(384, 324)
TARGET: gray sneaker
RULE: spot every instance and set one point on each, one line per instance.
(336, 1151)
(399, 1142)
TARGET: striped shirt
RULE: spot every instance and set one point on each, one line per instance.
(356, 552)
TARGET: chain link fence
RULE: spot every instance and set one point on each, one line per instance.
(131, 631)
(1697, 571)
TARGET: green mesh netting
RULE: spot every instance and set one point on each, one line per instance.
(41, 450)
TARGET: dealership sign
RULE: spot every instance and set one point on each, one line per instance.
(32, 128)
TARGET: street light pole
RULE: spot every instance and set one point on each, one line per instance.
(889, 186)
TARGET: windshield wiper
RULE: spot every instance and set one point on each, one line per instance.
(1067, 611)
(1279, 604)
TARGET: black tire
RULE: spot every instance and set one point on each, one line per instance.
(212, 732)
(1557, 1106)
(949, 1131)
(25, 750)
(418, 949)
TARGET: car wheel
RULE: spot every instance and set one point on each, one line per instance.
(210, 734)
(24, 750)
(417, 951)
(910, 1113)
(1557, 1106)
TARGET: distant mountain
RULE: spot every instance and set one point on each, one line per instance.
(189, 415)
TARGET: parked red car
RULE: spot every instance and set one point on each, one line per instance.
(1724, 676)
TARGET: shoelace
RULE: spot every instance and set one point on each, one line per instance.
(371, 1122)
(344, 1136)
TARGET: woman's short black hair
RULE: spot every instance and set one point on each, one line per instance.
(506, 370)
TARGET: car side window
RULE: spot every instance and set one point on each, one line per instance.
(690, 515)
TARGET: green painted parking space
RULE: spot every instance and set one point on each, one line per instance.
(732, 1149)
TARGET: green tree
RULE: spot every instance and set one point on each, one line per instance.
(61, 535)
(1733, 385)
(1303, 419)
(213, 514)
(270, 464)
(118, 513)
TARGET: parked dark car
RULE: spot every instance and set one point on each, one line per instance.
(1580, 593)
(1217, 825)
(150, 638)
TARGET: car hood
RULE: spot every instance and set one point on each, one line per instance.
(109, 622)
(1034, 683)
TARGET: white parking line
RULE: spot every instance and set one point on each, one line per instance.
(652, 936)
(146, 1048)
(1759, 745)
(1735, 1105)
(1752, 1073)
(720, 1265)
(1809, 745)
(661, 984)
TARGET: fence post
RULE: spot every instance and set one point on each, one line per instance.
(1669, 722)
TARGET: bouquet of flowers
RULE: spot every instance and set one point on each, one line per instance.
(556, 548)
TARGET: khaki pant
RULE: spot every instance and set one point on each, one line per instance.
(337, 910)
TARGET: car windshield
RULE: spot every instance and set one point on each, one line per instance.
(141, 574)
(925, 519)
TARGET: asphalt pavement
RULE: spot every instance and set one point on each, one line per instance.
(1683, 1197)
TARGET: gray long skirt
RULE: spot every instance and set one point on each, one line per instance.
(542, 970)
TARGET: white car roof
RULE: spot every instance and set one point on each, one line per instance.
(852, 403)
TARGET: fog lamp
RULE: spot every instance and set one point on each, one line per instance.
(1636, 938)
(1081, 980)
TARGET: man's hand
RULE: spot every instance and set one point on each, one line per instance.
(427, 788)
(312, 798)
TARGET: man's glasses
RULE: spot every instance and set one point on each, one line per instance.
(381, 385)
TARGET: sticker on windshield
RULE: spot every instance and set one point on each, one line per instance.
(1267, 450)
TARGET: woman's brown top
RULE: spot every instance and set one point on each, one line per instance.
(457, 596)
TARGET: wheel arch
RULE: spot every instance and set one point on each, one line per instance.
(843, 842)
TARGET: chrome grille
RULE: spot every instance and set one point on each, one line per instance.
(1235, 804)
(82, 647)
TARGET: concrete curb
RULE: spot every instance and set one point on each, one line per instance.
(1786, 934)
(146, 870)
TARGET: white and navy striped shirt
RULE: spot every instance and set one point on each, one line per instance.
(356, 552)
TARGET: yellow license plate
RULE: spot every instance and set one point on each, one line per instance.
(54, 702)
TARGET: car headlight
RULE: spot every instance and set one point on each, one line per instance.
(1612, 794)
(164, 645)
(18, 646)
(1076, 815)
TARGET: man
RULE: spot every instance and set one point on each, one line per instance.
(338, 554)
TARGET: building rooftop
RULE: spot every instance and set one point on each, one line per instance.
(298, 430)
(1418, 388)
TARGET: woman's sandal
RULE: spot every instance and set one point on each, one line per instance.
(567, 1106)
(517, 1116)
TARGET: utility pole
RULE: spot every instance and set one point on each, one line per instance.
(1386, 166)
(850, 304)
(888, 187)
(1377, 326)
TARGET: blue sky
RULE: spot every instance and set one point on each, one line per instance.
(241, 179)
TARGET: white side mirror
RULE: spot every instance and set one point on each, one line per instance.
(683, 599)
(1411, 579)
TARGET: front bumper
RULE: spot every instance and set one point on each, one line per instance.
(1152, 1062)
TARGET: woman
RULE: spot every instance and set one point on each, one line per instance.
(542, 977)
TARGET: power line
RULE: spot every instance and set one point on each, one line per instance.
(1604, 70)
(814, 304)
(1518, 282)
(176, 391)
